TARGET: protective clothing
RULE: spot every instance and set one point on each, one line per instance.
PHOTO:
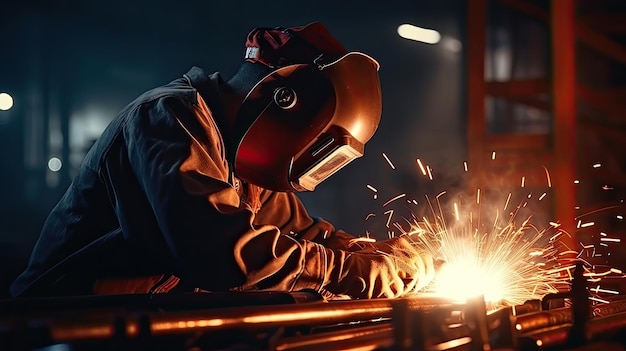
(408, 259)
(155, 198)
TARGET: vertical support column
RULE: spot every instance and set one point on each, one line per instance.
(476, 120)
(562, 17)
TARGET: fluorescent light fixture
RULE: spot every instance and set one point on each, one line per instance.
(411, 32)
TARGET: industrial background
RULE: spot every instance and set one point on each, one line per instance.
(527, 93)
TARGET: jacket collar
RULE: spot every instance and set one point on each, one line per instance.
(208, 86)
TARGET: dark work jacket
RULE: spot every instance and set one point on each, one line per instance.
(156, 196)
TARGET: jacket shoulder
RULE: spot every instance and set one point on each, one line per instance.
(179, 89)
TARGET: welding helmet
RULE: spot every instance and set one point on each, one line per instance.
(311, 115)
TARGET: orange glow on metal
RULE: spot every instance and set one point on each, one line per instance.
(184, 324)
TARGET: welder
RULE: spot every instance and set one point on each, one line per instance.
(193, 186)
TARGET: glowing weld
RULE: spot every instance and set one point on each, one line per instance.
(597, 274)
(394, 199)
(390, 213)
(419, 163)
(361, 239)
(495, 262)
(506, 203)
(568, 252)
(389, 161)
(557, 270)
(606, 291)
(488, 248)
(598, 299)
(548, 177)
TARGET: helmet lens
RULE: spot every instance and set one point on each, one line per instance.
(327, 166)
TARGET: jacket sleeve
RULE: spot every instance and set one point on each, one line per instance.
(304, 251)
(178, 156)
(288, 213)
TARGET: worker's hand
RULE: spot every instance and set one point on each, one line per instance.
(410, 257)
(394, 269)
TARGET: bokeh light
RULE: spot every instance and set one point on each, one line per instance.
(55, 164)
(6, 101)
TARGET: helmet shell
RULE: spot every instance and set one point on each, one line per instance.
(307, 118)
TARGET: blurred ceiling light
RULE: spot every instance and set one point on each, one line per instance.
(55, 164)
(6, 101)
(411, 32)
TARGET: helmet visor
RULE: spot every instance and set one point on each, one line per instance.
(327, 166)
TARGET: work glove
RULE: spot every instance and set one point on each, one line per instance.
(390, 268)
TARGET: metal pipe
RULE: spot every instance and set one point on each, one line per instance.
(169, 302)
(373, 337)
(596, 329)
(543, 319)
(563, 315)
(406, 330)
(251, 317)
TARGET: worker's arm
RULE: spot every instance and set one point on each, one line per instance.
(288, 213)
(178, 157)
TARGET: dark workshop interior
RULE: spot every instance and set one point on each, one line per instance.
(515, 96)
